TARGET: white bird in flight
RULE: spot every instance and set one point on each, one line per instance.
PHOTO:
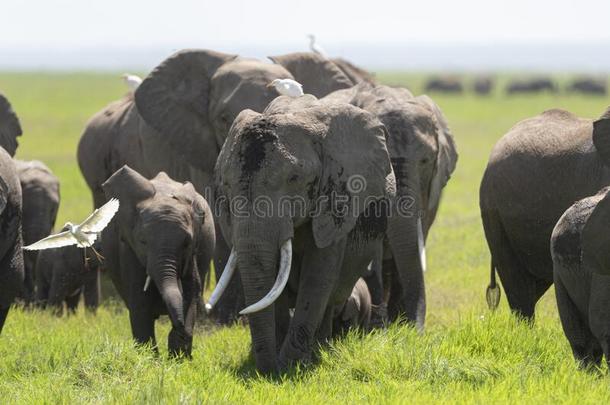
(287, 87)
(82, 235)
(315, 47)
(132, 81)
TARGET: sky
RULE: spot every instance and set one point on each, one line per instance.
(28, 26)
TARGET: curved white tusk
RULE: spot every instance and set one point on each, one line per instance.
(226, 276)
(146, 283)
(280, 281)
(421, 244)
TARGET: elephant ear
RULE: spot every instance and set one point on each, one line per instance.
(601, 137)
(318, 75)
(3, 195)
(446, 158)
(594, 239)
(130, 187)
(10, 127)
(356, 170)
(174, 100)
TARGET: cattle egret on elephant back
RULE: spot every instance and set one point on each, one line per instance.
(132, 81)
(82, 235)
(315, 48)
(287, 87)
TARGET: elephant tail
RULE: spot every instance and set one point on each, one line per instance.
(493, 290)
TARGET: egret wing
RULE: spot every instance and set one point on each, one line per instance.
(54, 241)
(100, 218)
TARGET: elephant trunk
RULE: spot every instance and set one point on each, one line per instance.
(162, 267)
(405, 237)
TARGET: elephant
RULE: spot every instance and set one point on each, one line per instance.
(534, 174)
(356, 312)
(166, 238)
(301, 187)
(62, 274)
(581, 272)
(423, 155)
(11, 240)
(40, 192)
(444, 85)
(535, 85)
(483, 85)
(179, 118)
(586, 85)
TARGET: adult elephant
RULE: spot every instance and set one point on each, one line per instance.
(589, 85)
(180, 117)
(11, 242)
(535, 173)
(444, 85)
(535, 85)
(40, 191)
(294, 197)
(423, 156)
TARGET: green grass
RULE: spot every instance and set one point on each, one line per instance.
(467, 354)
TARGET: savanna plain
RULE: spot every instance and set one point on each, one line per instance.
(467, 354)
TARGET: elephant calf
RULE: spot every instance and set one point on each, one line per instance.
(40, 191)
(158, 250)
(62, 275)
(356, 313)
(581, 271)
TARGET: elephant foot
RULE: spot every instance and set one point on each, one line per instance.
(379, 316)
(296, 348)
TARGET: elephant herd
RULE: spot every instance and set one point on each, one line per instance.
(314, 211)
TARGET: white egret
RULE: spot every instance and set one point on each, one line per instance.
(313, 45)
(82, 235)
(287, 87)
(132, 81)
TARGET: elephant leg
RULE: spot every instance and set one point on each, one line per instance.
(57, 293)
(319, 273)
(92, 290)
(522, 291)
(72, 303)
(140, 302)
(3, 314)
(585, 348)
(226, 311)
(599, 311)
(42, 291)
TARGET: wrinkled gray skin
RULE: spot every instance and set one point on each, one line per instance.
(423, 156)
(356, 312)
(179, 120)
(62, 276)
(581, 270)
(164, 229)
(11, 242)
(536, 85)
(535, 172)
(444, 85)
(589, 86)
(304, 149)
(40, 190)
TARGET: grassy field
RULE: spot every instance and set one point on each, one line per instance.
(467, 354)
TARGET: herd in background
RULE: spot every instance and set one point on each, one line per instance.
(483, 85)
(364, 166)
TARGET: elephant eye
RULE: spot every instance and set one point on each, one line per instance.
(293, 178)
(424, 161)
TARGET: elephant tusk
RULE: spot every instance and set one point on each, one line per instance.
(280, 281)
(225, 278)
(147, 283)
(421, 244)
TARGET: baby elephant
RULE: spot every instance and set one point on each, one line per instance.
(158, 250)
(356, 313)
(62, 275)
(580, 246)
